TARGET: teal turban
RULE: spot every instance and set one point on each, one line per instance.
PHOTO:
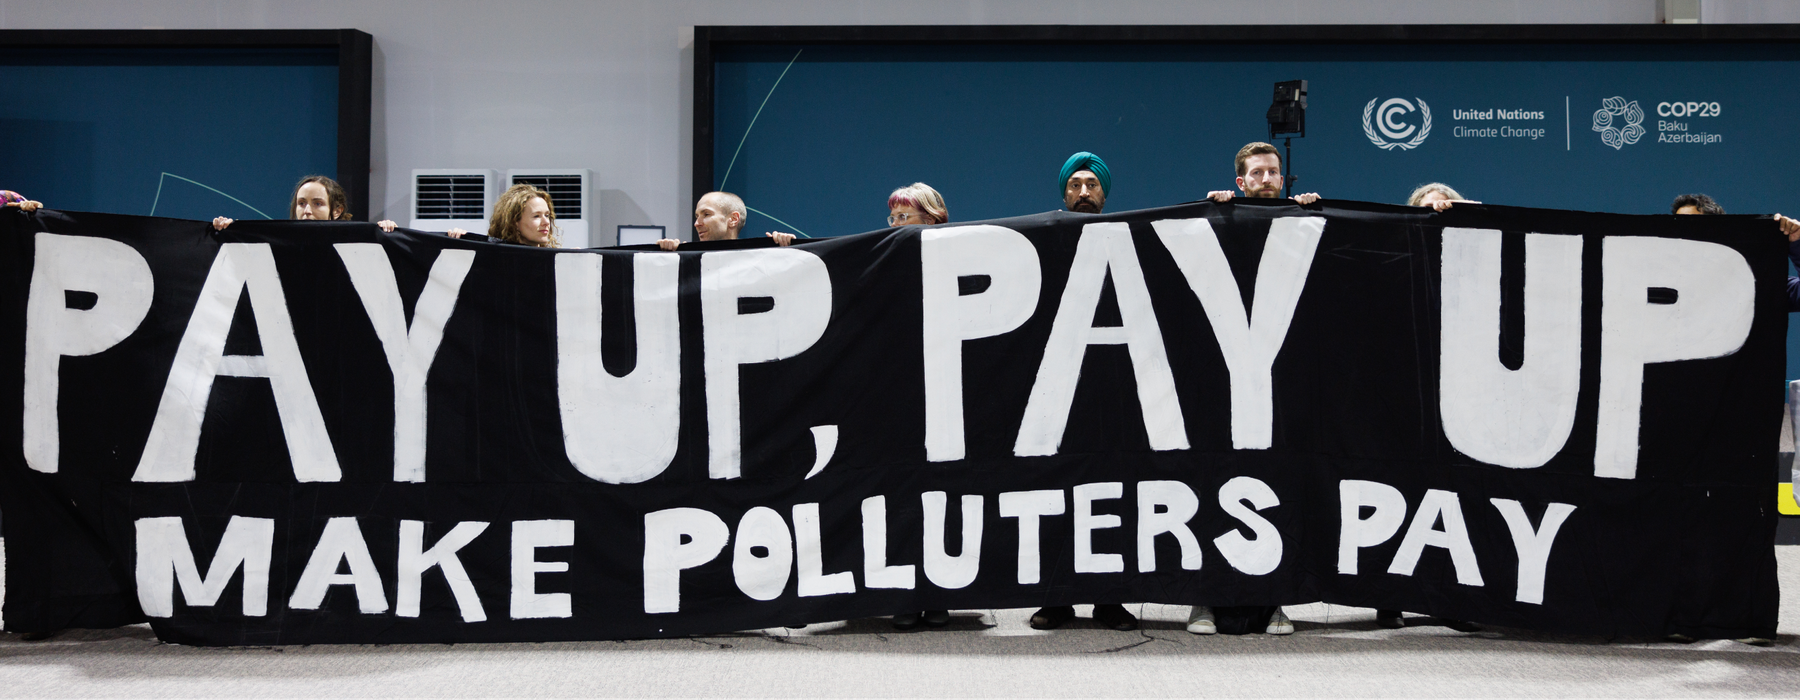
(1085, 161)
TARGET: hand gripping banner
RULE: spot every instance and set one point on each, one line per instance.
(300, 432)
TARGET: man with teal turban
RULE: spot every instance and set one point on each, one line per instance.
(1084, 183)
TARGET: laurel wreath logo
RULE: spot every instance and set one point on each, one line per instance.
(1375, 138)
(1613, 135)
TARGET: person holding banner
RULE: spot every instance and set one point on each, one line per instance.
(1439, 197)
(1699, 204)
(1258, 167)
(1696, 204)
(1436, 195)
(14, 199)
(1085, 181)
(918, 204)
(1790, 227)
(1259, 175)
(719, 216)
(316, 198)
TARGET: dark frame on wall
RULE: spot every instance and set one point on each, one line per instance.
(355, 58)
(707, 40)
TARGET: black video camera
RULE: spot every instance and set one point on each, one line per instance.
(1287, 116)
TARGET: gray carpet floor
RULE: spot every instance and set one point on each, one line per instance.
(1336, 652)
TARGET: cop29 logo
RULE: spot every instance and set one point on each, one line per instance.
(1381, 122)
(1613, 134)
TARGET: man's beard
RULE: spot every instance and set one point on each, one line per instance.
(1086, 205)
(1265, 192)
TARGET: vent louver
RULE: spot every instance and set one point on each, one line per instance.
(565, 192)
(450, 197)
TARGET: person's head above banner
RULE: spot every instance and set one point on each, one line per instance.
(1085, 182)
(1258, 167)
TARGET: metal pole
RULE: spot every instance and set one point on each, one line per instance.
(1288, 178)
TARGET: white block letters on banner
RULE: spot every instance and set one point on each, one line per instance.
(1710, 317)
(1262, 554)
(763, 559)
(415, 560)
(1533, 545)
(1356, 532)
(676, 539)
(238, 269)
(799, 287)
(1250, 341)
(809, 548)
(341, 544)
(1104, 250)
(1009, 264)
(1165, 507)
(943, 570)
(1088, 561)
(619, 430)
(164, 558)
(1438, 505)
(122, 285)
(813, 433)
(876, 571)
(1514, 418)
(1028, 507)
(527, 537)
(410, 349)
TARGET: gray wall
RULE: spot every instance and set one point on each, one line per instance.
(606, 84)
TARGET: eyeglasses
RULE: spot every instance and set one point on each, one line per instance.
(897, 219)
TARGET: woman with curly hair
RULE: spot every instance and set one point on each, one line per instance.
(524, 215)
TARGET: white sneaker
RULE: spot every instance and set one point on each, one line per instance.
(1278, 623)
(1200, 621)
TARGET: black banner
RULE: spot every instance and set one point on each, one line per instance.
(299, 432)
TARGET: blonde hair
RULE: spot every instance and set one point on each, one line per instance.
(511, 205)
(920, 196)
(1418, 195)
(1254, 148)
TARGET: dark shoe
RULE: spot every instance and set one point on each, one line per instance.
(1391, 619)
(1461, 626)
(1115, 616)
(906, 621)
(937, 618)
(38, 636)
(1756, 641)
(1052, 617)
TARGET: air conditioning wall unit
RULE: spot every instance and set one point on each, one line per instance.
(444, 199)
(571, 194)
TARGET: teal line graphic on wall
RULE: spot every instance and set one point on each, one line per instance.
(759, 109)
(797, 231)
(165, 176)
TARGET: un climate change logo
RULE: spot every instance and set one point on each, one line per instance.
(1383, 119)
(1616, 136)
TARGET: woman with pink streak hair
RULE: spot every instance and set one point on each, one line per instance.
(916, 205)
